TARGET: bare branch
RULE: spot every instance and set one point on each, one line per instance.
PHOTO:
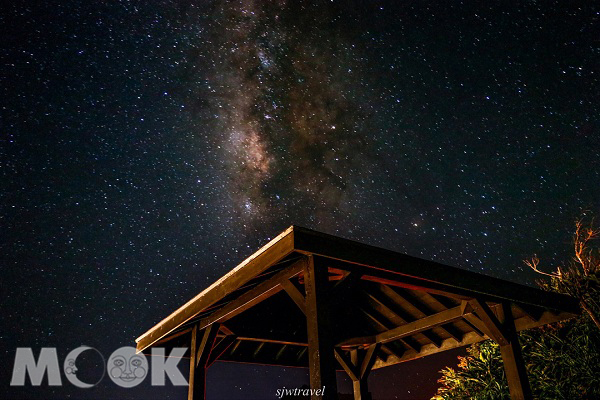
(581, 238)
(533, 264)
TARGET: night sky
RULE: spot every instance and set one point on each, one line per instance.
(147, 147)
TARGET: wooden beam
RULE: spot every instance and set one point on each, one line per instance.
(364, 361)
(411, 328)
(360, 390)
(468, 338)
(427, 350)
(276, 250)
(206, 345)
(424, 323)
(265, 340)
(258, 349)
(388, 277)
(403, 301)
(436, 306)
(235, 346)
(494, 327)
(360, 387)
(225, 330)
(375, 321)
(378, 263)
(411, 344)
(514, 366)
(415, 312)
(199, 355)
(173, 336)
(265, 359)
(295, 294)
(395, 349)
(534, 313)
(192, 385)
(220, 348)
(344, 304)
(347, 365)
(452, 331)
(280, 352)
(345, 275)
(321, 355)
(301, 353)
(408, 342)
(358, 369)
(476, 324)
(252, 297)
(369, 360)
(337, 274)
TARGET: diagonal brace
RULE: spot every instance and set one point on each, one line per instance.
(495, 329)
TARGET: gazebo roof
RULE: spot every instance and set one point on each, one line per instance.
(408, 307)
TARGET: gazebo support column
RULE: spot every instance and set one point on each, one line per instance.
(505, 334)
(514, 366)
(199, 356)
(361, 390)
(321, 357)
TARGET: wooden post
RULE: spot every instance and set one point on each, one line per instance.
(321, 356)
(199, 356)
(360, 385)
(514, 366)
(193, 376)
(505, 334)
(358, 369)
(361, 390)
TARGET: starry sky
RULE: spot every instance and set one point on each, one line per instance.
(147, 147)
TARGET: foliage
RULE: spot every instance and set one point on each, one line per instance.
(580, 278)
(479, 375)
(562, 363)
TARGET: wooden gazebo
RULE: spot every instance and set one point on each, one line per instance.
(308, 299)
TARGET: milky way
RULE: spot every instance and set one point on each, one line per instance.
(288, 120)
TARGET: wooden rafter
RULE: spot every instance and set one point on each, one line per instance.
(412, 313)
(411, 328)
(253, 296)
(378, 324)
(437, 306)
